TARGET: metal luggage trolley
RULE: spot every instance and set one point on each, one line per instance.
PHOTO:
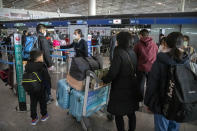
(95, 99)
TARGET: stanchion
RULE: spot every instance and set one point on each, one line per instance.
(19, 73)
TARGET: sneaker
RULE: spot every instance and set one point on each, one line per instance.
(34, 122)
(44, 118)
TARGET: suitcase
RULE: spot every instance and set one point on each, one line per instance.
(63, 94)
(97, 99)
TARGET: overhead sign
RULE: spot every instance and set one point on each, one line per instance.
(117, 21)
(46, 23)
(19, 24)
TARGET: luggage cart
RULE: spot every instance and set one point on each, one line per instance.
(91, 101)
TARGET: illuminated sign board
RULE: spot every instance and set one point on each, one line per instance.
(117, 21)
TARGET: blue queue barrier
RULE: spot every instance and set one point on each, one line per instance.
(2, 42)
(6, 46)
(6, 62)
(9, 51)
(62, 50)
(58, 56)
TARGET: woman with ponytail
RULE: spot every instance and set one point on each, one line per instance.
(172, 55)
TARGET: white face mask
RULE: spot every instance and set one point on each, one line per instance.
(74, 37)
(45, 33)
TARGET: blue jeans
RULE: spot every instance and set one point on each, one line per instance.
(162, 124)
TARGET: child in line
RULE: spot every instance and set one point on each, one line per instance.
(36, 64)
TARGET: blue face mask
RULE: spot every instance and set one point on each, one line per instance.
(185, 43)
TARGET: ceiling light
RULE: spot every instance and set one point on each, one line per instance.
(159, 3)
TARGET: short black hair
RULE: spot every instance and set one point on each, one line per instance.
(187, 37)
(24, 32)
(79, 31)
(144, 33)
(40, 26)
(125, 40)
(35, 54)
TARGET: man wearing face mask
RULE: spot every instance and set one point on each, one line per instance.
(79, 44)
(43, 45)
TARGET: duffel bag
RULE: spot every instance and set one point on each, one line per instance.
(78, 68)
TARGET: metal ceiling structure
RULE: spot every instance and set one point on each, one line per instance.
(104, 7)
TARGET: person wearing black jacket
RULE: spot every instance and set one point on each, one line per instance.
(25, 33)
(37, 65)
(170, 55)
(123, 95)
(43, 45)
(79, 44)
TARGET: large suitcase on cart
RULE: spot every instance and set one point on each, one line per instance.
(96, 100)
(63, 94)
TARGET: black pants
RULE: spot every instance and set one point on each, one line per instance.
(47, 85)
(120, 122)
(35, 98)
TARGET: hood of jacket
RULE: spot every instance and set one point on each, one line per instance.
(147, 41)
(34, 66)
(166, 59)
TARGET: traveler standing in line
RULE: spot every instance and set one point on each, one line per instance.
(37, 65)
(43, 45)
(25, 33)
(146, 51)
(162, 45)
(112, 45)
(98, 42)
(160, 38)
(79, 44)
(157, 80)
(123, 95)
(187, 47)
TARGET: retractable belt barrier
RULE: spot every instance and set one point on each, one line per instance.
(6, 46)
(58, 56)
(6, 62)
(8, 51)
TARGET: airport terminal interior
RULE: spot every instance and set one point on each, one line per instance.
(98, 65)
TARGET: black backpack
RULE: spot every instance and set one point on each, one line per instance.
(180, 98)
(31, 82)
